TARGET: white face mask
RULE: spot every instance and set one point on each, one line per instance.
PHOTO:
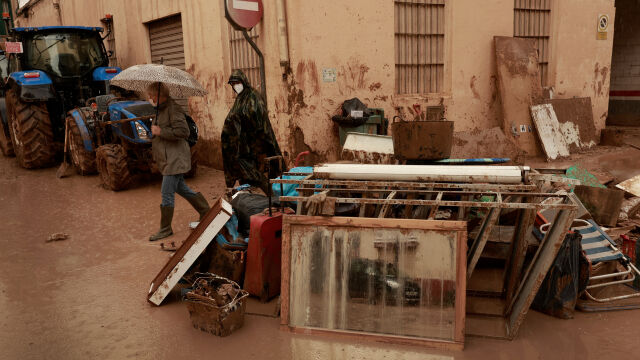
(238, 88)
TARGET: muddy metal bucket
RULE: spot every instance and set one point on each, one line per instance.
(422, 140)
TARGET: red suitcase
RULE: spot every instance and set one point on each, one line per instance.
(262, 273)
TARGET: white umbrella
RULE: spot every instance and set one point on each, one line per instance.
(181, 84)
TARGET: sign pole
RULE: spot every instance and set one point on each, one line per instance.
(244, 15)
(263, 78)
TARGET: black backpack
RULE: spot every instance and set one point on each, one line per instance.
(193, 131)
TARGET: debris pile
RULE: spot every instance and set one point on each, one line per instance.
(216, 305)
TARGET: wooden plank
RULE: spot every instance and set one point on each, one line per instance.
(386, 339)
(553, 140)
(434, 208)
(481, 240)
(285, 273)
(494, 327)
(461, 287)
(538, 270)
(519, 246)
(452, 203)
(482, 305)
(188, 253)
(575, 117)
(439, 225)
(408, 211)
(603, 204)
(519, 86)
(488, 281)
(384, 212)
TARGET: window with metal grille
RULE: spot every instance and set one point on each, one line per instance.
(533, 20)
(243, 57)
(419, 37)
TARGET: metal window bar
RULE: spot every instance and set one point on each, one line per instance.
(532, 19)
(419, 46)
(242, 55)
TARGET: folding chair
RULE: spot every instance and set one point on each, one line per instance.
(600, 248)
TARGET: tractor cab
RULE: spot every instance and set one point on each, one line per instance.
(72, 58)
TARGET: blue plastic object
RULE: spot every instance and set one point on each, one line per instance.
(291, 189)
(21, 80)
(101, 74)
(84, 28)
(232, 227)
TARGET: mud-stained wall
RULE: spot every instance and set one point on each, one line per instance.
(581, 64)
(354, 40)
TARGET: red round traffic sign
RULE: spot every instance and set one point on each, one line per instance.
(244, 14)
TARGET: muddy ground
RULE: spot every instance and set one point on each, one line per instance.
(85, 297)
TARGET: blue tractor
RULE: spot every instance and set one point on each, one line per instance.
(59, 69)
(113, 137)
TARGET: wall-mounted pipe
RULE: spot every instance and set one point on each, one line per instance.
(283, 33)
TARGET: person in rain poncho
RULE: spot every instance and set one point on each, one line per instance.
(247, 136)
(173, 157)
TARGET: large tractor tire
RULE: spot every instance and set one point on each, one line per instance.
(6, 146)
(31, 132)
(112, 166)
(84, 161)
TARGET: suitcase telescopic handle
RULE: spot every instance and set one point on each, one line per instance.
(268, 162)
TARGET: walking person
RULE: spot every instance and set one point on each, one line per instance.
(247, 136)
(173, 157)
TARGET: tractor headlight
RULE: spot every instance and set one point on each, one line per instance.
(142, 132)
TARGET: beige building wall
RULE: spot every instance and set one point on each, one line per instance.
(355, 38)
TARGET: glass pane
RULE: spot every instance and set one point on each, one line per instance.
(384, 281)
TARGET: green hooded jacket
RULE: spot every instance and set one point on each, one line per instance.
(247, 137)
(170, 149)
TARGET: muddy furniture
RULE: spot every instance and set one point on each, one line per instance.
(422, 140)
(391, 280)
(499, 291)
(188, 253)
(216, 305)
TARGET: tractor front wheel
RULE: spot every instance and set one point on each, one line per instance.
(113, 167)
(31, 132)
(84, 160)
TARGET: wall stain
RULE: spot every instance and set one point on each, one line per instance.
(352, 76)
(600, 78)
(375, 86)
(472, 85)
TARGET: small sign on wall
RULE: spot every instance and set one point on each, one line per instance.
(603, 27)
(329, 75)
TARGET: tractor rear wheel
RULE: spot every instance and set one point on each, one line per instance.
(113, 167)
(84, 161)
(5, 141)
(6, 146)
(31, 132)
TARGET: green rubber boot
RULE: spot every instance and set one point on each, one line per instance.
(166, 216)
(199, 203)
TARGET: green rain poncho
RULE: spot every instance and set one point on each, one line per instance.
(247, 138)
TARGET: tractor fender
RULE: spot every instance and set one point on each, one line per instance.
(32, 85)
(77, 116)
(106, 73)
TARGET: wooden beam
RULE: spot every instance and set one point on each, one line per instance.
(434, 208)
(385, 207)
(481, 240)
(519, 246)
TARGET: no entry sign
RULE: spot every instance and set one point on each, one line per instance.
(244, 14)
